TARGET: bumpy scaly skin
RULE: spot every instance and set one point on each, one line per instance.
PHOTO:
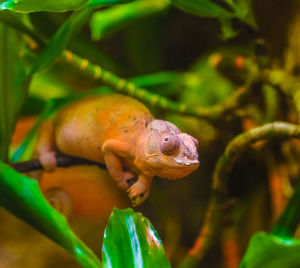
(121, 132)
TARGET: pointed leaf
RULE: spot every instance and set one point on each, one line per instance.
(131, 241)
(27, 6)
(243, 10)
(271, 251)
(60, 40)
(13, 87)
(92, 3)
(202, 8)
(45, 5)
(110, 20)
(22, 197)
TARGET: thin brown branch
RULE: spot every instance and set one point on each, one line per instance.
(61, 161)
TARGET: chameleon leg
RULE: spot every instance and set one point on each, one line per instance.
(113, 151)
(45, 146)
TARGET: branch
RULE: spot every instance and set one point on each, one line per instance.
(121, 85)
(212, 222)
(126, 87)
(61, 161)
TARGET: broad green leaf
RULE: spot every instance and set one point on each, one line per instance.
(110, 20)
(131, 241)
(202, 8)
(13, 87)
(22, 197)
(271, 251)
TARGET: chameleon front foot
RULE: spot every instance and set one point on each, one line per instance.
(138, 193)
(127, 180)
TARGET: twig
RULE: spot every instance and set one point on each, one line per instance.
(212, 222)
(61, 161)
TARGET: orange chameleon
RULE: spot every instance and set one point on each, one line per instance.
(122, 133)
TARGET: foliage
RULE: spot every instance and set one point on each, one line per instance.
(267, 250)
(131, 241)
(13, 86)
(239, 97)
(21, 196)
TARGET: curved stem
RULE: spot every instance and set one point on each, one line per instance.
(219, 199)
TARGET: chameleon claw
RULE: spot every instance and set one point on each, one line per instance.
(137, 201)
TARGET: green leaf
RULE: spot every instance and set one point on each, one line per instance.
(22, 197)
(13, 87)
(92, 3)
(227, 29)
(131, 241)
(60, 40)
(243, 10)
(17, 22)
(110, 20)
(278, 249)
(45, 5)
(27, 6)
(288, 221)
(202, 8)
(271, 251)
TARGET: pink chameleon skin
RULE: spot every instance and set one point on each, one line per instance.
(122, 133)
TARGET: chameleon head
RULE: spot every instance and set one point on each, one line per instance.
(168, 153)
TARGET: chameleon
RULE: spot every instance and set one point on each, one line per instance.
(120, 132)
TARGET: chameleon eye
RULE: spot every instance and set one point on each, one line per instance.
(169, 144)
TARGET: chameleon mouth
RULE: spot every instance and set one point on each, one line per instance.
(187, 162)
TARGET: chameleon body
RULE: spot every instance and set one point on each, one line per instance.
(122, 133)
